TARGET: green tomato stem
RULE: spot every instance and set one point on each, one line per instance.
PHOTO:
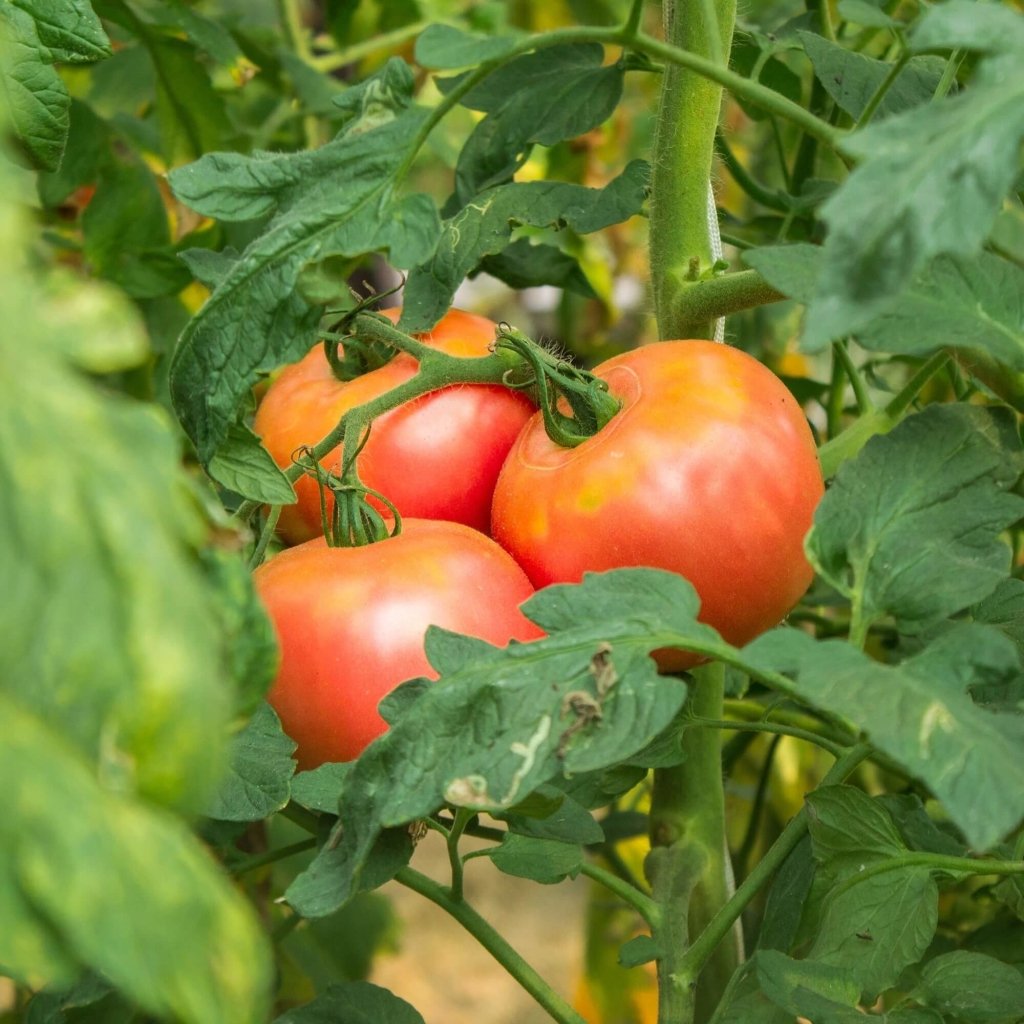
(495, 944)
(697, 303)
(690, 876)
(935, 862)
(647, 908)
(694, 959)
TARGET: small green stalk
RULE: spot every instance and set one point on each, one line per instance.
(495, 944)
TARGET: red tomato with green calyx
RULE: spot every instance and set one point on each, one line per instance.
(708, 470)
(351, 622)
(436, 457)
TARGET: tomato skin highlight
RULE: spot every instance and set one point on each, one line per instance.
(708, 470)
(350, 623)
(437, 457)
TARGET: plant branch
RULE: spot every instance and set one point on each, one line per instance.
(708, 941)
(494, 943)
(628, 893)
(699, 301)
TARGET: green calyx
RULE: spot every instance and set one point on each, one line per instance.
(352, 521)
(586, 395)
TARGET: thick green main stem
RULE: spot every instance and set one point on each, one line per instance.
(684, 148)
(689, 872)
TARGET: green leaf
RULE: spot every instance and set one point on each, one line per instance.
(973, 988)
(792, 984)
(244, 466)
(580, 700)
(920, 714)
(569, 822)
(852, 78)
(37, 101)
(258, 780)
(969, 303)
(90, 878)
(640, 950)
(447, 651)
(99, 551)
(1010, 892)
(86, 151)
(863, 12)
(69, 29)
(917, 828)
(483, 228)
(445, 47)
(958, 154)
(786, 899)
(256, 320)
(848, 829)
(320, 789)
(543, 860)
(356, 1002)
(910, 528)
(525, 264)
(546, 97)
(127, 237)
(792, 269)
(251, 656)
(748, 52)
(913, 1015)
(877, 927)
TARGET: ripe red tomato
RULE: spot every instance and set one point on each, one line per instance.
(351, 621)
(436, 457)
(708, 470)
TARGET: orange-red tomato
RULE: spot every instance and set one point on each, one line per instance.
(708, 470)
(351, 622)
(436, 457)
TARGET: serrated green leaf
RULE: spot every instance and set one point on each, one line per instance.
(968, 303)
(354, 1002)
(973, 988)
(569, 822)
(37, 101)
(910, 528)
(320, 789)
(920, 714)
(546, 861)
(261, 767)
(959, 155)
(445, 47)
(525, 264)
(1010, 892)
(127, 237)
(101, 555)
(90, 878)
(792, 984)
(848, 829)
(244, 466)
(877, 927)
(210, 36)
(786, 899)
(538, 703)
(245, 628)
(852, 78)
(447, 651)
(69, 29)
(545, 98)
(484, 227)
(918, 830)
(792, 269)
(863, 12)
(256, 319)
(208, 266)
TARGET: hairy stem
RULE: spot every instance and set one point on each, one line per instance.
(684, 145)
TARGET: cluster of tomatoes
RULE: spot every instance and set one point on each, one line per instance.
(709, 469)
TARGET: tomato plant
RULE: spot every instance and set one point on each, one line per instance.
(351, 620)
(436, 457)
(703, 428)
(823, 822)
